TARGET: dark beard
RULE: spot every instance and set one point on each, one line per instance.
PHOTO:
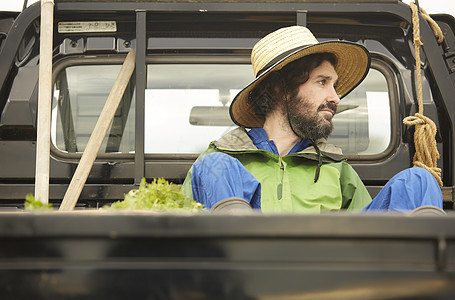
(309, 124)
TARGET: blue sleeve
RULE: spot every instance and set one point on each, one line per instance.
(218, 176)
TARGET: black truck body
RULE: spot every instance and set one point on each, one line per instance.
(186, 51)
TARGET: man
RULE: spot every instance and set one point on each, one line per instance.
(284, 163)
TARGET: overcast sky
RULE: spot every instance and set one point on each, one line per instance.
(431, 6)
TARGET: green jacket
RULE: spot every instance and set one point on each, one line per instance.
(287, 183)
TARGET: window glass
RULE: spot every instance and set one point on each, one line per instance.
(79, 96)
(362, 123)
(187, 106)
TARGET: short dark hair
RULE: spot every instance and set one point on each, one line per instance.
(270, 91)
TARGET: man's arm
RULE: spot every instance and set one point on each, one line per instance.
(187, 184)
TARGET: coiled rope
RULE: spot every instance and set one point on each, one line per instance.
(426, 154)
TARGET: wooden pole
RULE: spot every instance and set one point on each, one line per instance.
(99, 132)
(44, 103)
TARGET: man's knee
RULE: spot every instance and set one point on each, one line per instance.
(416, 174)
(419, 184)
(418, 171)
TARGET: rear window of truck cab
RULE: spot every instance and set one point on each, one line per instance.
(187, 106)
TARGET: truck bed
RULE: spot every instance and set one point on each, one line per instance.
(142, 255)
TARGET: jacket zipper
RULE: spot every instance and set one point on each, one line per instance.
(280, 185)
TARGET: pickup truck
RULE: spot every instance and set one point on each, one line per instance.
(192, 58)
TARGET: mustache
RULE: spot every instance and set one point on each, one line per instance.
(328, 105)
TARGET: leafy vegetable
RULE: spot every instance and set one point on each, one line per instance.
(159, 195)
(32, 204)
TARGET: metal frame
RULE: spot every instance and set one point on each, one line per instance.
(141, 81)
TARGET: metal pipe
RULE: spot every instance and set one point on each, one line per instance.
(25, 5)
(141, 81)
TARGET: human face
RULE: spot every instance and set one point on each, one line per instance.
(312, 109)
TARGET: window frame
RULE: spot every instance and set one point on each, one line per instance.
(151, 59)
(379, 64)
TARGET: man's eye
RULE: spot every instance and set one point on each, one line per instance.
(322, 82)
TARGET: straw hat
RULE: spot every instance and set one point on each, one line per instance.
(285, 45)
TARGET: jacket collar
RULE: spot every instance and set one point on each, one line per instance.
(238, 140)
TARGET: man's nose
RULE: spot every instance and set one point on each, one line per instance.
(334, 97)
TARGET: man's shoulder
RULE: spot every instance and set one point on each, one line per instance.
(236, 139)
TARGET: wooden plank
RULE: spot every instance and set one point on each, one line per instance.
(43, 138)
(99, 132)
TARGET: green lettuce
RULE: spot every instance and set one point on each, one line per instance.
(32, 204)
(159, 195)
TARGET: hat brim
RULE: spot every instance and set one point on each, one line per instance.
(352, 67)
